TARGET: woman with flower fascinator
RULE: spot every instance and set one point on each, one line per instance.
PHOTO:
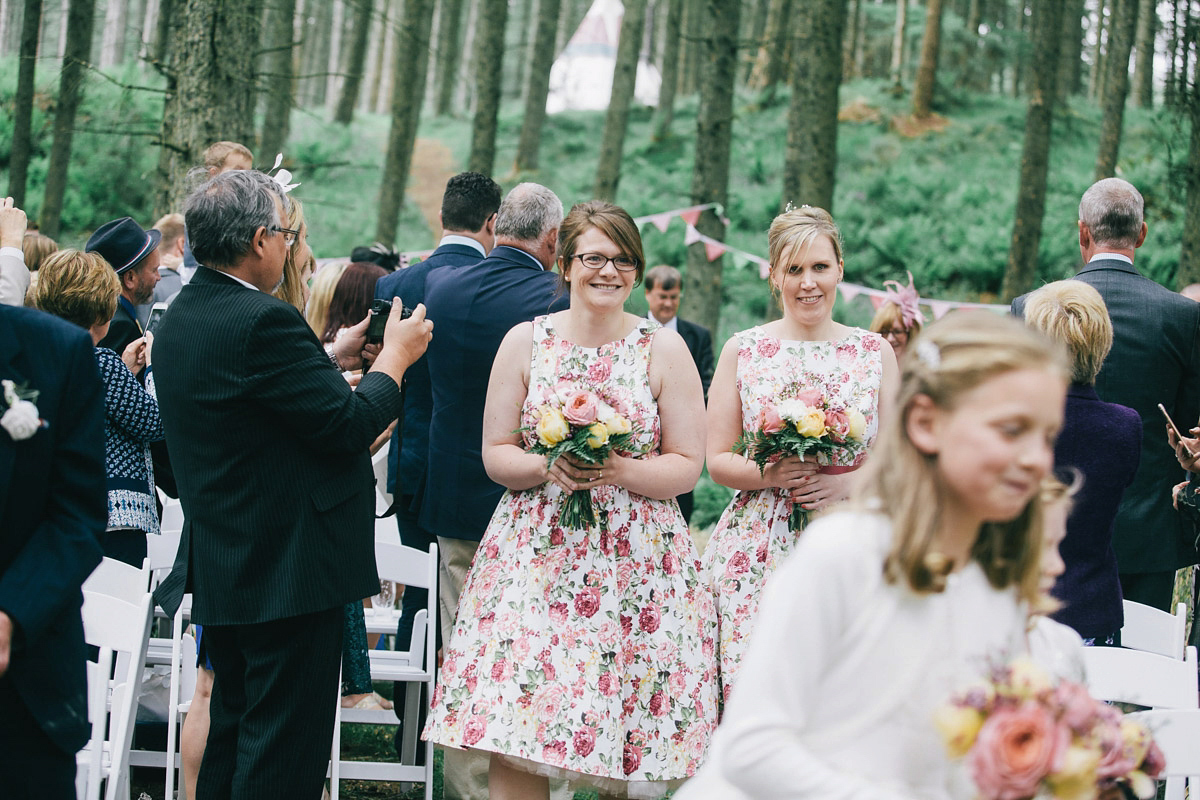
(899, 318)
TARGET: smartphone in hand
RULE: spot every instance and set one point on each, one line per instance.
(1174, 429)
(157, 310)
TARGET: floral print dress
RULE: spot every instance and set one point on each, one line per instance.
(752, 537)
(585, 654)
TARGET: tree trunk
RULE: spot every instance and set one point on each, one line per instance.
(514, 85)
(1143, 72)
(1095, 84)
(854, 17)
(1070, 58)
(10, 26)
(1021, 269)
(927, 70)
(381, 92)
(18, 165)
(768, 70)
(616, 121)
(355, 60)
(758, 32)
(1189, 258)
(489, 68)
(665, 114)
(693, 26)
(710, 173)
(79, 49)
(213, 99)
(162, 31)
(333, 64)
(1116, 86)
(411, 61)
(539, 85)
(449, 53)
(810, 160)
(898, 42)
(113, 49)
(279, 83)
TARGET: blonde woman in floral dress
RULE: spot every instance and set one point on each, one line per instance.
(587, 654)
(761, 367)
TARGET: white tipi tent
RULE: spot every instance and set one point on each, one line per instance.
(582, 75)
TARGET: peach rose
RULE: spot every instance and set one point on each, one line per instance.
(811, 397)
(769, 420)
(1016, 749)
(581, 408)
(837, 424)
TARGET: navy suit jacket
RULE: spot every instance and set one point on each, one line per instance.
(473, 308)
(53, 507)
(270, 446)
(410, 443)
(1155, 358)
(699, 343)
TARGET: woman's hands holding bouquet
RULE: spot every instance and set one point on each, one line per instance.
(571, 474)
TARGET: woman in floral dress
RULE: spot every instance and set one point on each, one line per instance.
(587, 654)
(761, 367)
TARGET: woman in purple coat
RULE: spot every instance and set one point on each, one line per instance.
(1102, 442)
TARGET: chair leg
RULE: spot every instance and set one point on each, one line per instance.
(335, 758)
(409, 735)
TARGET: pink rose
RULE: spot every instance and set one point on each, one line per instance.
(555, 753)
(1155, 762)
(626, 624)
(548, 670)
(767, 347)
(838, 423)
(871, 342)
(556, 536)
(677, 683)
(599, 371)
(670, 564)
(739, 564)
(587, 602)
(760, 555)
(607, 684)
(558, 613)
(658, 704)
(584, 742)
(1078, 707)
(814, 398)
(650, 618)
(581, 408)
(486, 623)
(502, 670)
(1015, 749)
(631, 759)
(1115, 761)
(623, 547)
(769, 421)
(548, 703)
(474, 729)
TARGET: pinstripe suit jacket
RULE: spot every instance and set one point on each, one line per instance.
(269, 445)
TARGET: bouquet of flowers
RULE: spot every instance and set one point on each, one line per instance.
(1024, 737)
(806, 423)
(587, 429)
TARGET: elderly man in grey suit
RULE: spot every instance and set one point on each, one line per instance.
(1155, 359)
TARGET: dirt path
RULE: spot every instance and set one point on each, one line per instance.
(432, 165)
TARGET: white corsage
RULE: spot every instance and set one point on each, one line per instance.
(282, 176)
(21, 419)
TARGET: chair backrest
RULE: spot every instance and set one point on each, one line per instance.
(118, 579)
(379, 463)
(406, 565)
(161, 550)
(1177, 733)
(1156, 631)
(1120, 675)
(117, 627)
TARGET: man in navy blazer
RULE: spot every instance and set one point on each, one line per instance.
(53, 507)
(1155, 358)
(474, 307)
(468, 218)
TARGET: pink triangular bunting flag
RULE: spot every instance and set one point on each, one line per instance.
(714, 250)
(850, 291)
(877, 300)
(691, 235)
(661, 221)
(940, 307)
(691, 216)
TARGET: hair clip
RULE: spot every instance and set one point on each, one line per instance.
(282, 176)
(928, 354)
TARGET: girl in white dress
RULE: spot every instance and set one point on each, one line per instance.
(883, 611)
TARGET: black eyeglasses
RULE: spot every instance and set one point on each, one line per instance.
(895, 333)
(597, 261)
(289, 236)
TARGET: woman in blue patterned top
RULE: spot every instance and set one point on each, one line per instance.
(82, 288)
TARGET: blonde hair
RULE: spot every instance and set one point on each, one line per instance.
(792, 233)
(78, 287)
(1072, 312)
(321, 294)
(890, 317)
(172, 228)
(35, 247)
(1052, 492)
(956, 354)
(217, 153)
(291, 291)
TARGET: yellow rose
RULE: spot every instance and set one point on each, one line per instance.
(617, 424)
(811, 423)
(958, 726)
(1028, 679)
(597, 435)
(1136, 738)
(552, 428)
(1075, 778)
(858, 424)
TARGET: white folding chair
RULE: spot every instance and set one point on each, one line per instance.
(118, 627)
(379, 463)
(1156, 631)
(384, 619)
(1177, 733)
(118, 579)
(1117, 674)
(415, 667)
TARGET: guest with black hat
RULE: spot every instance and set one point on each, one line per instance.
(133, 254)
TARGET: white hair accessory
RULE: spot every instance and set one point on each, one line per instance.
(282, 176)
(929, 354)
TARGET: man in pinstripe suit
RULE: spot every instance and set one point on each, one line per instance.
(276, 487)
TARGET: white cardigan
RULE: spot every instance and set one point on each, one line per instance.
(838, 689)
(14, 277)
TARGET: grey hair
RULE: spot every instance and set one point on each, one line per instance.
(528, 213)
(223, 214)
(663, 277)
(1112, 210)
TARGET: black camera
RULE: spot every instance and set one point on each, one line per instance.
(380, 311)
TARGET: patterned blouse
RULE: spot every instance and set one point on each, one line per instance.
(131, 423)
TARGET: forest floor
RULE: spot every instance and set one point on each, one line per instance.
(432, 165)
